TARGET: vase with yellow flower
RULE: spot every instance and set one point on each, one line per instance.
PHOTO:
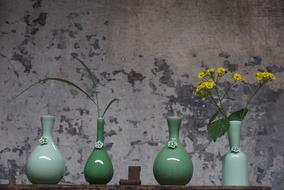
(216, 86)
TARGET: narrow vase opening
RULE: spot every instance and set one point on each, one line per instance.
(234, 134)
(174, 123)
(47, 122)
(100, 129)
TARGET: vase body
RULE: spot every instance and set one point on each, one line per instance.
(45, 164)
(98, 168)
(173, 166)
(235, 163)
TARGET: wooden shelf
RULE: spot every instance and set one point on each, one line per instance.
(127, 187)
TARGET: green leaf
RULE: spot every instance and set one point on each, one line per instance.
(88, 70)
(28, 88)
(218, 128)
(238, 115)
(109, 104)
(214, 116)
(73, 85)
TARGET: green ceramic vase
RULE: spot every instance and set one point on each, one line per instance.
(45, 164)
(235, 163)
(173, 166)
(99, 169)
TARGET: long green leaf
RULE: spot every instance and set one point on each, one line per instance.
(218, 128)
(73, 85)
(109, 104)
(90, 73)
(29, 87)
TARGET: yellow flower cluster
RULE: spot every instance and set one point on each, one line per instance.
(208, 72)
(211, 71)
(204, 88)
(238, 77)
(265, 76)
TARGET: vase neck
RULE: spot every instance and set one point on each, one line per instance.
(234, 133)
(174, 126)
(100, 129)
(47, 122)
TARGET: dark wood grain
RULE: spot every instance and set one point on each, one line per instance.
(133, 176)
(126, 187)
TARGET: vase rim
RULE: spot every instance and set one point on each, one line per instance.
(100, 118)
(48, 116)
(174, 117)
(235, 121)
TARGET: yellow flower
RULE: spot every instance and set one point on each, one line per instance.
(221, 71)
(202, 85)
(259, 76)
(238, 77)
(201, 91)
(265, 76)
(210, 71)
(204, 88)
(201, 75)
(197, 90)
(210, 84)
(272, 77)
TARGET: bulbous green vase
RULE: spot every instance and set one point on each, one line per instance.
(235, 163)
(45, 164)
(99, 169)
(173, 165)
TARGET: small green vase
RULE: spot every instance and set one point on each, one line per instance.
(45, 164)
(173, 166)
(235, 163)
(99, 169)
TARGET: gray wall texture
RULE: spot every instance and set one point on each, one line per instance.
(147, 53)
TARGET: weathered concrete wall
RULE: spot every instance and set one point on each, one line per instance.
(146, 53)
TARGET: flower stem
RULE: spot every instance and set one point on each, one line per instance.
(255, 92)
(226, 93)
(218, 107)
(221, 103)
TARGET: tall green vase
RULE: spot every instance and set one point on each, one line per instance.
(173, 165)
(99, 169)
(45, 164)
(235, 163)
